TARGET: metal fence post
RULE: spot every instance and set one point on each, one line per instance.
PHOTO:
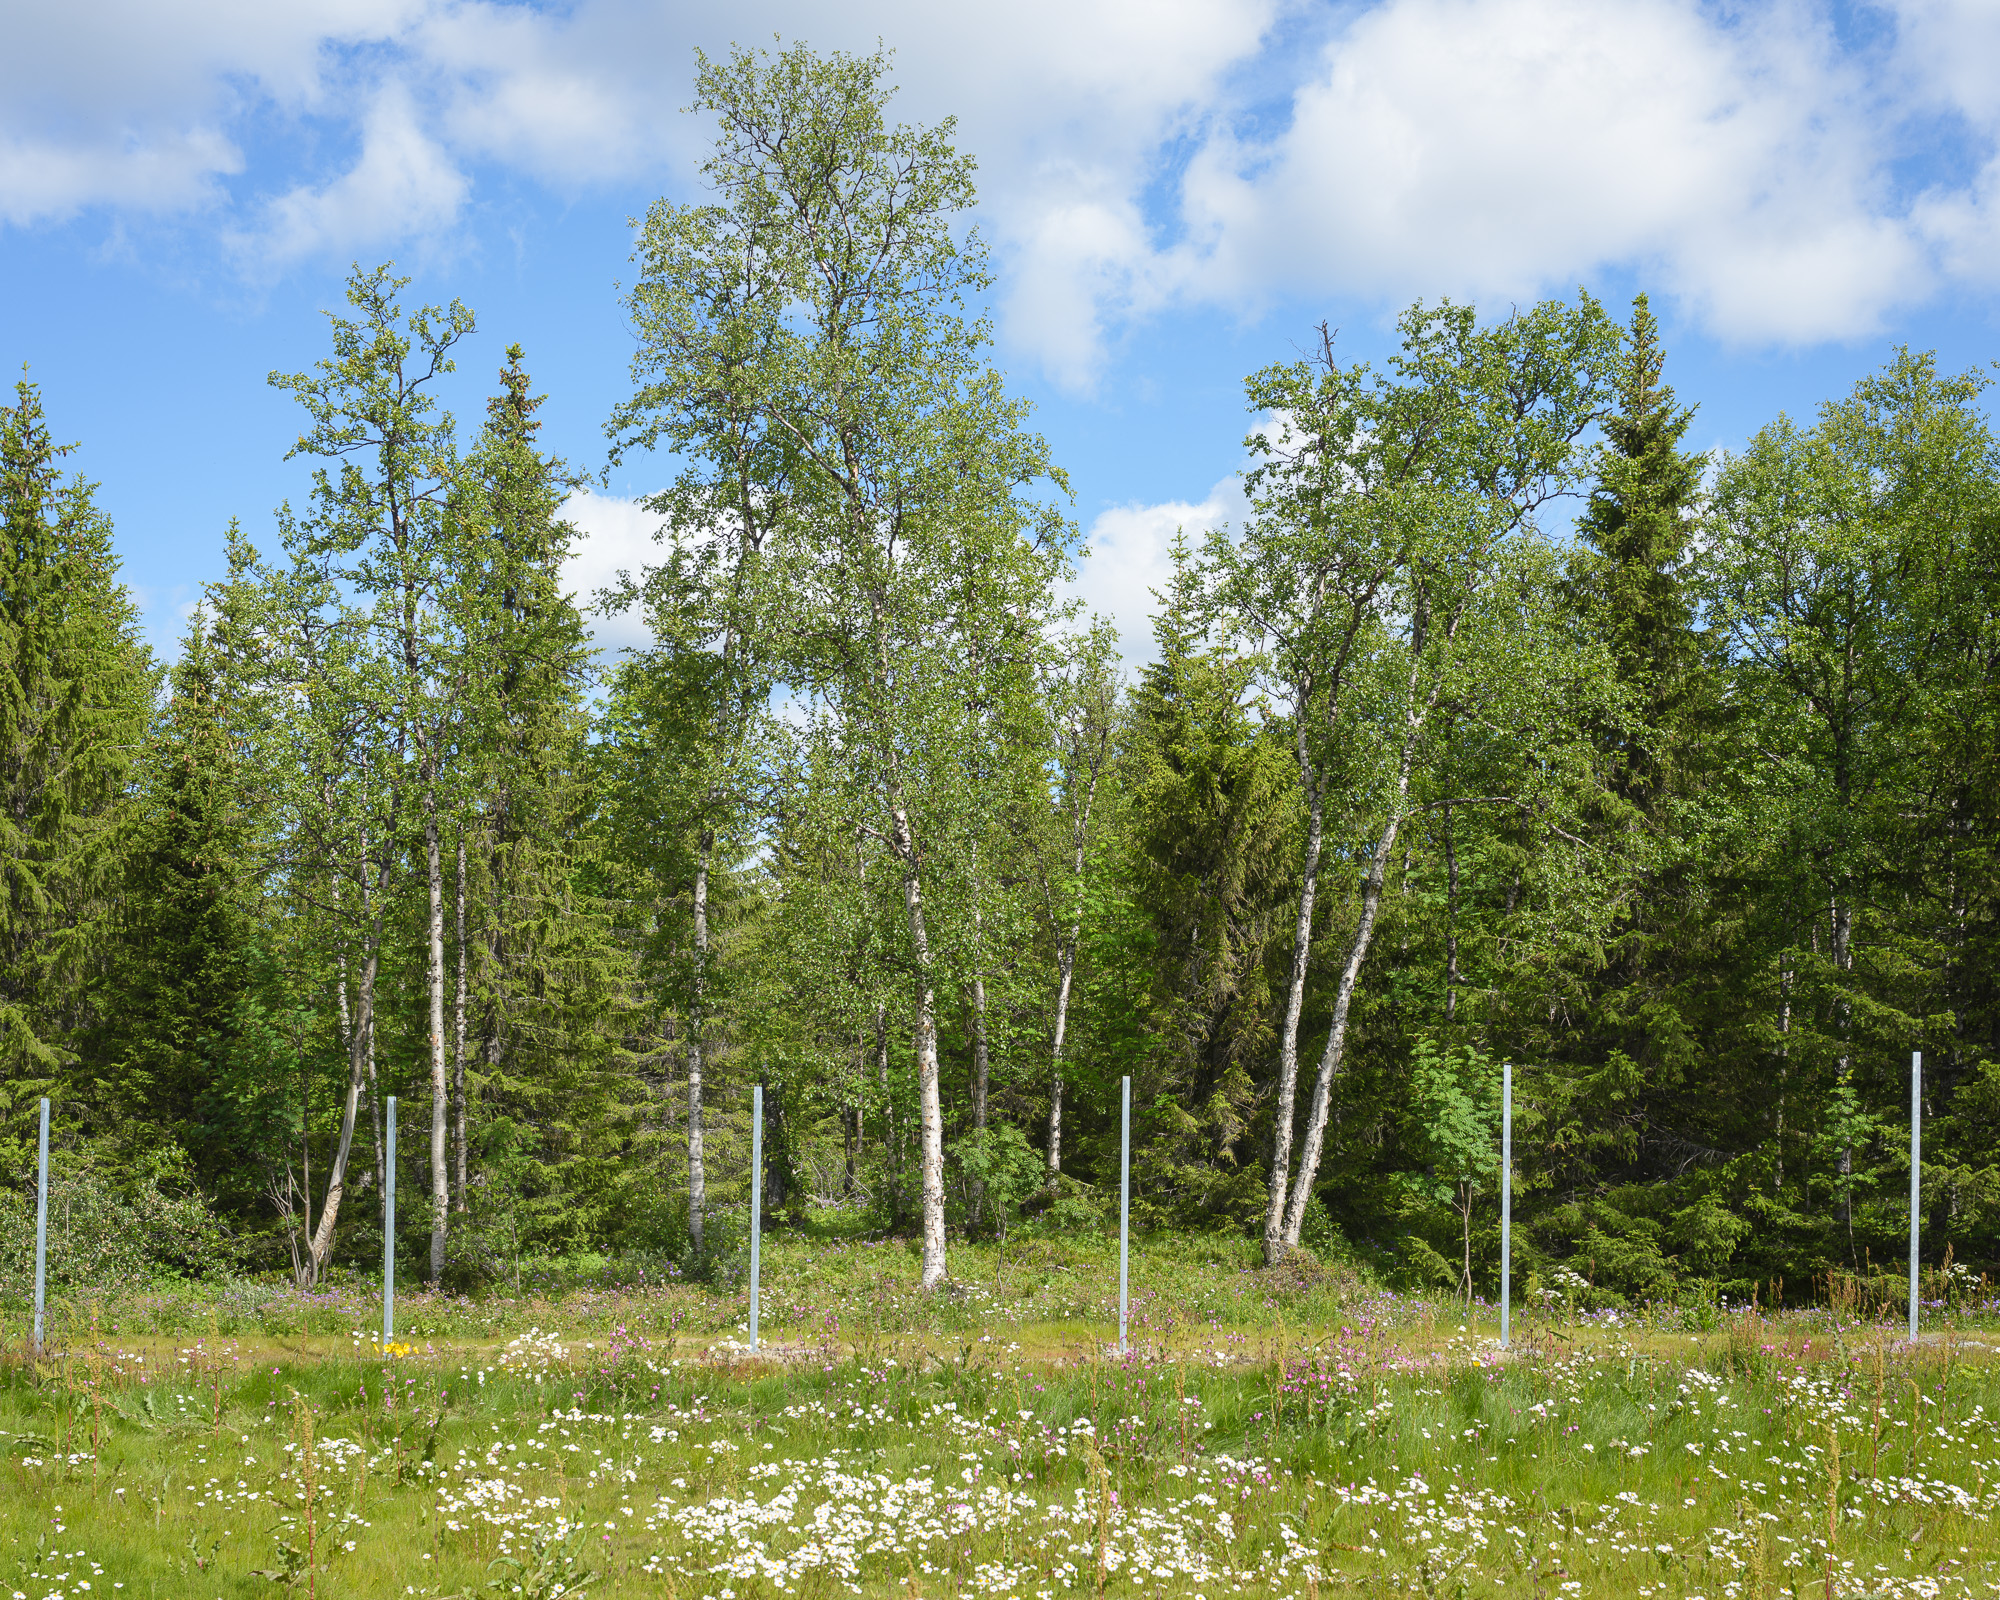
(42, 1231)
(1506, 1196)
(389, 1229)
(1124, 1206)
(756, 1199)
(1916, 1175)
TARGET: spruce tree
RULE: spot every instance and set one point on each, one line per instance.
(1629, 586)
(183, 966)
(1210, 818)
(74, 682)
(1632, 594)
(539, 1118)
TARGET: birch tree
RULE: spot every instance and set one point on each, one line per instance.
(813, 321)
(1382, 508)
(1080, 701)
(381, 524)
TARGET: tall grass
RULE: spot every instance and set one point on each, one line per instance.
(1268, 1434)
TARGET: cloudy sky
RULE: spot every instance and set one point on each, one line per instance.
(1177, 192)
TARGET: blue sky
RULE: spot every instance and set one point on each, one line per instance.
(1176, 191)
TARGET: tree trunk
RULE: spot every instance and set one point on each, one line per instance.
(1350, 972)
(375, 1118)
(1843, 962)
(1450, 922)
(364, 1026)
(891, 1150)
(850, 1132)
(930, 1110)
(981, 1062)
(360, 1067)
(459, 1135)
(697, 1172)
(1784, 1063)
(1079, 842)
(1288, 1028)
(440, 1174)
(1065, 974)
(1465, 1216)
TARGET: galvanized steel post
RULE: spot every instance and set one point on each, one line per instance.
(42, 1228)
(756, 1198)
(1124, 1205)
(389, 1229)
(1506, 1196)
(1916, 1175)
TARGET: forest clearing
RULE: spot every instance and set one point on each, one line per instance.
(1537, 857)
(1269, 1433)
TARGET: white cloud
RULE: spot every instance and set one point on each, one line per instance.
(1502, 147)
(402, 186)
(1130, 559)
(1744, 159)
(140, 106)
(120, 104)
(617, 537)
(48, 180)
(1949, 52)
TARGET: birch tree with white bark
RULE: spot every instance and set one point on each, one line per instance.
(1383, 506)
(379, 529)
(810, 331)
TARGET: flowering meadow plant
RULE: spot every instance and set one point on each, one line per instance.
(621, 1444)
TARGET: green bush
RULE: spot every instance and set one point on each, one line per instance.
(103, 1237)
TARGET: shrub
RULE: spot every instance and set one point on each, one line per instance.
(101, 1238)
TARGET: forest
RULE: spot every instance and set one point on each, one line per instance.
(1505, 727)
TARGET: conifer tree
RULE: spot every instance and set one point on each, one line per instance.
(532, 1035)
(1209, 817)
(74, 681)
(1631, 585)
(184, 959)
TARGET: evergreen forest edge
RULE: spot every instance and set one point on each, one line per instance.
(1692, 816)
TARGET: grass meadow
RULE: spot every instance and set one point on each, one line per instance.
(1268, 1433)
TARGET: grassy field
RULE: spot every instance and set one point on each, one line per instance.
(1268, 1434)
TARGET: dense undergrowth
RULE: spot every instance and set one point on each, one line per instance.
(1288, 1433)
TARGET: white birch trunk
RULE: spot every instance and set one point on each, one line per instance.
(1295, 999)
(697, 1171)
(1079, 840)
(981, 1060)
(440, 1088)
(356, 1034)
(1065, 974)
(930, 1109)
(459, 1133)
(1357, 953)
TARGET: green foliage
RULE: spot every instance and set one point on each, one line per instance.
(110, 1225)
(1454, 1117)
(996, 1162)
(1178, 985)
(1691, 816)
(73, 686)
(182, 987)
